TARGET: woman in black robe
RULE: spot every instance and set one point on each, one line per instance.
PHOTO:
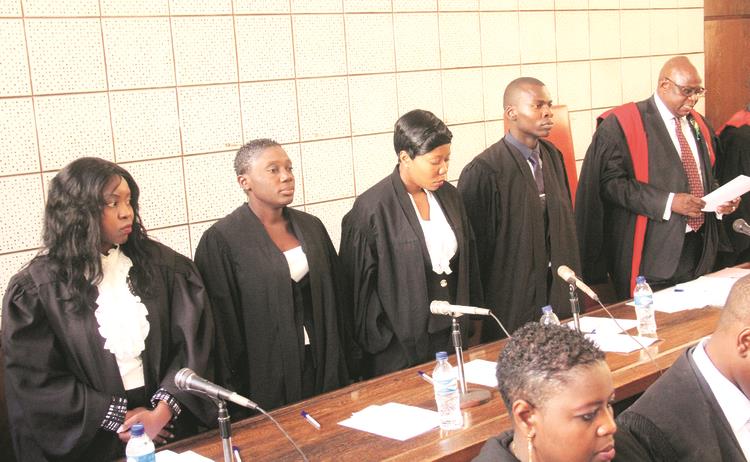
(96, 326)
(271, 274)
(394, 268)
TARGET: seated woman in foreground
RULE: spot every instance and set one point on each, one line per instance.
(96, 326)
(558, 391)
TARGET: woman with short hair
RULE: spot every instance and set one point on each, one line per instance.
(406, 242)
(558, 391)
(272, 275)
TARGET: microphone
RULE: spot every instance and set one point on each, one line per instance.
(443, 307)
(741, 226)
(570, 277)
(187, 380)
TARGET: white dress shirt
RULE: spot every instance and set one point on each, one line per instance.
(298, 269)
(734, 404)
(438, 235)
(669, 122)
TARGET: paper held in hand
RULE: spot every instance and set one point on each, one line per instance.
(732, 190)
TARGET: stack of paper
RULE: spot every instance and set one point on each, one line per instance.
(735, 188)
(393, 420)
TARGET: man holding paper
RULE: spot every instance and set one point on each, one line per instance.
(639, 201)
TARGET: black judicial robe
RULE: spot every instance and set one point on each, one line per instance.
(385, 260)
(735, 160)
(59, 379)
(677, 419)
(260, 350)
(507, 216)
(609, 200)
(497, 449)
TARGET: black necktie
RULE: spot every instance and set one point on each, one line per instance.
(536, 168)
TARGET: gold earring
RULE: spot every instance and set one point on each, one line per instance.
(530, 447)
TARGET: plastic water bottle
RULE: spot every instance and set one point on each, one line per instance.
(140, 448)
(549, 316)
(446, 393)
(644, 307)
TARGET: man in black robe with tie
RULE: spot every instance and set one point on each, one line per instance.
(518, 199)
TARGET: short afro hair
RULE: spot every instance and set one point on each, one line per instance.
(248, 153)
(538, 358)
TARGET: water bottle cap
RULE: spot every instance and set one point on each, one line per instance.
(640, 279)
(547, 309)
(441, 355)
(136, 430)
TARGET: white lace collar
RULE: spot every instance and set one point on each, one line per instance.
(122, 317)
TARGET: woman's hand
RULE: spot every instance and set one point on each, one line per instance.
(154, 423)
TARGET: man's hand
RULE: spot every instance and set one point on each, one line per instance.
(728, 207)
(687, 204)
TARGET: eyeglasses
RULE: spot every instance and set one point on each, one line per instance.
(688, 91)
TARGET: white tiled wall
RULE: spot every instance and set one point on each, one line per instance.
(171, 88)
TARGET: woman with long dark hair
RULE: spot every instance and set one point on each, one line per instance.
(95, 327)
(406, 242)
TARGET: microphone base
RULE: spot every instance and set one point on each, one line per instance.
(474, 398)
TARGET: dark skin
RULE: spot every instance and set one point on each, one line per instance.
(529, 113)
(269, 186)
(426, 172)
(575, 423)
(676, 73)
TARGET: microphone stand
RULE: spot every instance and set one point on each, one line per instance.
(225, 429)
(574, 306)
(469, 398)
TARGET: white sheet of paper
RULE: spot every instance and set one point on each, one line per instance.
(619, 343)
(732, 190)
(393, 420)
(709, 290)
(481, 372)
(187, 456)
(731, 272)
(671, 300)
(594, 324)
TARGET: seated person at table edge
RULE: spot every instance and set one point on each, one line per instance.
(699, 409)
(558, 391)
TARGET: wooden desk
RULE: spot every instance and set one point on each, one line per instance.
(259, 439)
